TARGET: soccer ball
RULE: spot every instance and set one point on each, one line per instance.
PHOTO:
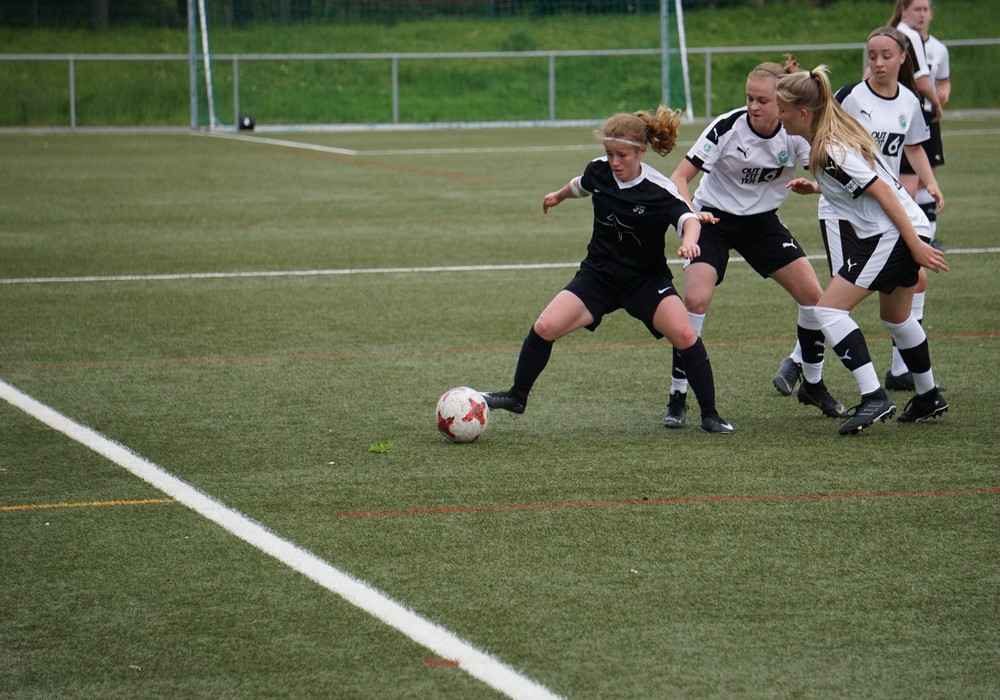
(462, 414)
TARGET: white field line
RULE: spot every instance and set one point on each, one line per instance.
(357, 271)
(400, 151)
(460, 151)
(445, 644)
(281, 142)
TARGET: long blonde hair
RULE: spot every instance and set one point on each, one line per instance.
(832, 127)
(658, 129)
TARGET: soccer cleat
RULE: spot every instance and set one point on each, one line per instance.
(676, 411)
(924, 406)
(507, 400)
(713, 423)
(899, 382)
(789, 372)
(872, 408)
(818, 395)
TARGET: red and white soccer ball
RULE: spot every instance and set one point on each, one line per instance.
(462, 414)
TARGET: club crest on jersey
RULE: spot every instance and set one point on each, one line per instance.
(902, 120)
(783, 156)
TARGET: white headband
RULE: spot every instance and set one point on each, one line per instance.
(628, 141)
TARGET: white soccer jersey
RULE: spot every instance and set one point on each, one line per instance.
(893, 123)
(844, 183)
(920, 67)
(937, 59)
(744, 172)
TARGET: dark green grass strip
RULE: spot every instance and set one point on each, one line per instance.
(685, 500)
(416, 353)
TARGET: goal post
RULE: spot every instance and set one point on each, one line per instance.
(206, 56)
(665, 55)
(685, 71)
(200, 65)
(192, 19)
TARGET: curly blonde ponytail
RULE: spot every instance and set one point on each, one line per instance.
(658, 129)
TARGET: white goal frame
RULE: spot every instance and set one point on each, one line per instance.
(198, 35)
(194, 32)
(665, 55)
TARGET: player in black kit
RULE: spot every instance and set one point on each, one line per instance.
(625, 266)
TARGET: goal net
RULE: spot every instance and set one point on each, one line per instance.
(314, 63)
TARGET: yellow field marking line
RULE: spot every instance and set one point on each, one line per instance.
(88, 504)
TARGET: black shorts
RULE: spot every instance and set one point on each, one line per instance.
(932, 147)
(640, 297)
(763, 241)
(880, 263)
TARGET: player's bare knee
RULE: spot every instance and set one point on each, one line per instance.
(684, 339)
(697, 303)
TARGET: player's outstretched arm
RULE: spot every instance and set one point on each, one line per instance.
(691, 232)
(571, 190)
(923, 253)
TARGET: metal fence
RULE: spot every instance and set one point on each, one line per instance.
(394, 59)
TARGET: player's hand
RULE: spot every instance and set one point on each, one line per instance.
(707, 217)
(930, 257)
(689, 251)
(801, 185)
(551, 199)
(934, 192)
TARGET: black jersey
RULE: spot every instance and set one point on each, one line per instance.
(630, 220)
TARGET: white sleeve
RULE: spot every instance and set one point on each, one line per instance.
(705, 151)
(917, 130)
(684, 217)
(943, 70)
(921, 69)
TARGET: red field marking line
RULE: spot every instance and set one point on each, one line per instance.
(441, 663)
(414, 353)
(680, 500)
(88, 504)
